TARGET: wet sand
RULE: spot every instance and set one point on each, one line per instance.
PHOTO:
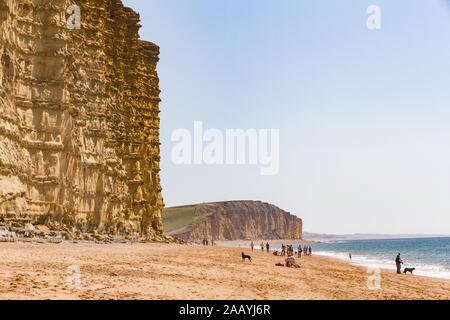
(169, 271)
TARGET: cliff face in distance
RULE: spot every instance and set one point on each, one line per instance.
(79, 119)
(231, 220)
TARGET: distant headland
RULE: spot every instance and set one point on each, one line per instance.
(231, 220)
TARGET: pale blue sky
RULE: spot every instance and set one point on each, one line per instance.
(364, 116)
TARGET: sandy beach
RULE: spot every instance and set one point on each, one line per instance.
(169, 271)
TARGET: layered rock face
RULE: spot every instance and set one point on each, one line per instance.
(79, 119)
(236, 220)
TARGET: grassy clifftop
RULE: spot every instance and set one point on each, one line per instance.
(175, 218)
(231, 220)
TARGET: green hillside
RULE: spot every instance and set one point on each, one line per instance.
(178, 217)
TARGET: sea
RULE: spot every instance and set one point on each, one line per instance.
(430, 256)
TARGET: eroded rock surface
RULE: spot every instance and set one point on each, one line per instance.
(79, 120)
(238, 220)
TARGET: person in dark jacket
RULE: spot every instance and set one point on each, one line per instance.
(399, 262)
(299, 251)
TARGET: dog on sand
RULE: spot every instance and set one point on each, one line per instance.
(410, 270)
(244, 256)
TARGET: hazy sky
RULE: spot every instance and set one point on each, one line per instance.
(364, 115)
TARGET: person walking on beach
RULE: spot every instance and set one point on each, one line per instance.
(252, 245)
(262, 246)
(350, 255)
(399, 262)
(310, 251)
(283, 249)
(267, 247)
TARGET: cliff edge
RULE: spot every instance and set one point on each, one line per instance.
(79, 120)
(231, 220)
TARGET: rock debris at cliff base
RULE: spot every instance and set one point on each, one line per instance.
(79, 122)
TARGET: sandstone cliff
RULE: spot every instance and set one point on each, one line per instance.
(231, 220)
(79, 119)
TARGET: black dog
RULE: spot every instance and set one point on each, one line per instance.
(409, 270)
(244, 256)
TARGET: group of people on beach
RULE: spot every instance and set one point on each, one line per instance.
(206, 242)
(267, 246)
(307, 251)
(262, 246)
(286, 250)
(289, 250)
